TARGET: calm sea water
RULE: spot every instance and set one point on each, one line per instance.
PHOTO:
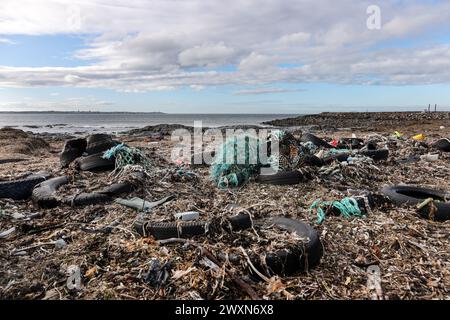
(117, 122)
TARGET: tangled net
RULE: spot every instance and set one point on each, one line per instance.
(236, 160)
(126, 156)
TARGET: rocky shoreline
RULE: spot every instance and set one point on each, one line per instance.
(365, 120)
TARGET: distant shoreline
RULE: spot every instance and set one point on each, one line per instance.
(141, 112)
(367, 120)
(83, 112)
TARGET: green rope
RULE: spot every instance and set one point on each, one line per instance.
(184, 172)
(127, 156)
(348, 207)
(233, 174)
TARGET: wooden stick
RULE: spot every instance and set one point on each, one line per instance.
(241, 283)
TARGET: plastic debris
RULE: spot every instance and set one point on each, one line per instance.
(7, 233)
(142, 205)
(419, 137)
(374, 282)
(60, 244)
(429, 157)
(158, 275)
(187, 216)
(348, 207)
(126, 156)
(237, 171)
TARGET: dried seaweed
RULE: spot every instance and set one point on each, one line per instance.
(413, 254)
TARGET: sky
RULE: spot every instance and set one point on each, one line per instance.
(215, 56)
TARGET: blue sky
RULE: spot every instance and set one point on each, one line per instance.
(295, 57)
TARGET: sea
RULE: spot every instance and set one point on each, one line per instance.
(116, 122)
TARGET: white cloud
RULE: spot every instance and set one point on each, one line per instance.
(197, 87)
(6, 41)
(256, 62)
(80, 103)
(206, 55)
(167, 44)
(265, 91)
(298, 38)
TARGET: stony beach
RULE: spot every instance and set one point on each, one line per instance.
(115, 262)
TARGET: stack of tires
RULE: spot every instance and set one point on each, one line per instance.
(90, 152)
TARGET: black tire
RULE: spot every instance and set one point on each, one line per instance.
(95, 162)
(99, 143)
(442, 145)
(354, 143)
(308, 137)
(281, 178)
(167, 230)
(294, 258)
(371, 145)
(86, 199)
(104, 195)
(72, 149)
(3, 161)
(21, 189)
(98, 137)
(412, 195)
(341, 157)
(44, 193)
(376, 155)
(117, 189)
(241, 221)
(312, 160)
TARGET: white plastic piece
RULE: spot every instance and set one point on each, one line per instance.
(430, 157)
(187, 216)
(60, 244)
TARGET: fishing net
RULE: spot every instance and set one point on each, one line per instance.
(128, 156)
(236, 160)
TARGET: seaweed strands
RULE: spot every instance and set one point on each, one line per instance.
(355, 169)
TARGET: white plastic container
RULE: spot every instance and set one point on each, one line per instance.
(430, 157)
(187, 216)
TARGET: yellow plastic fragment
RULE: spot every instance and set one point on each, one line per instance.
(419, 137)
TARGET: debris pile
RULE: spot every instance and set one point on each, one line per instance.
(322, 227)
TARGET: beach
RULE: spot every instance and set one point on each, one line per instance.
(412, 252)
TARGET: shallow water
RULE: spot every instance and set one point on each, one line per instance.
(117, 122)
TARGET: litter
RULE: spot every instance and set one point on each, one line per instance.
(187, 216)
(348, 207)
(7, 233)
(158, 274)
(142, 205)
(60, 244)
(374, 282)
(429, 157)
(126, 156)
(419, 137)
(243, 260)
